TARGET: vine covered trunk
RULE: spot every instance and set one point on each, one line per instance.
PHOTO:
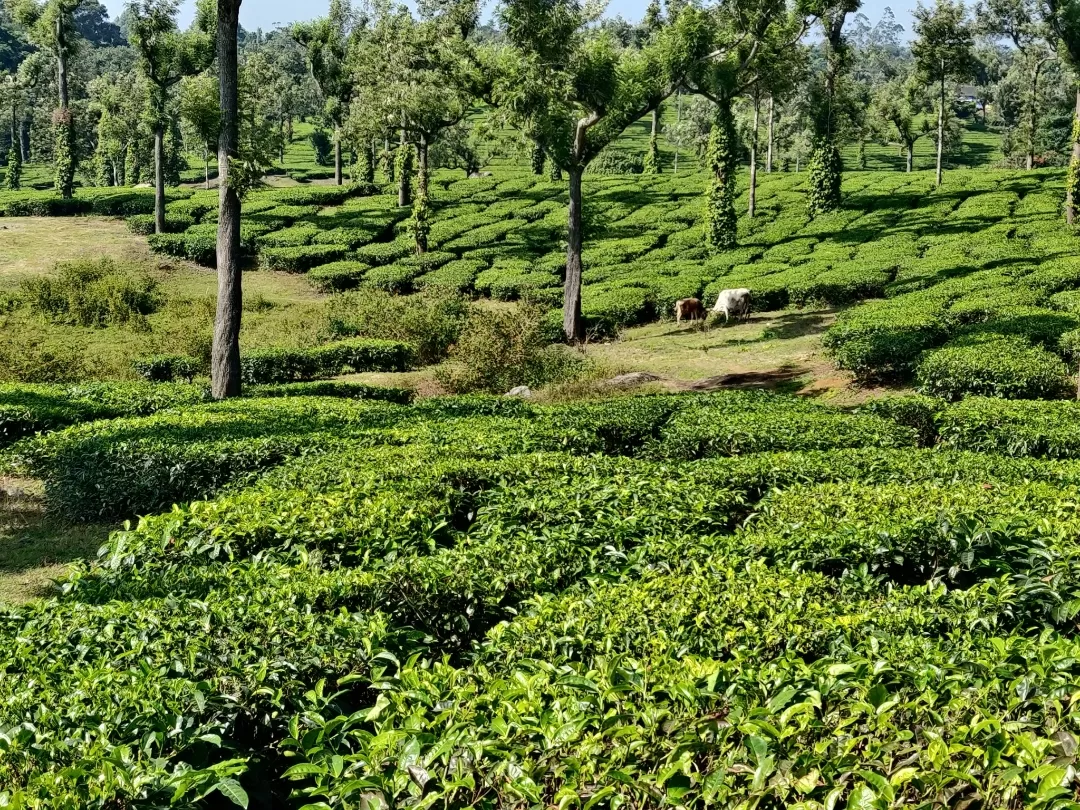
(337, 156)
(721, 224)
(940, 127)
(225, 360)
(1072, 179)
(573, 327)
(910, 152)
(753, 162)
(159, 179)
(63, 121)
(1030, 162)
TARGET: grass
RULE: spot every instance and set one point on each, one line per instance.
(36, 549)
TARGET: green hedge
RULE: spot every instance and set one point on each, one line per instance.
(166, 367)
(302, 258)
(337, 276)
(1007, 367)
(328, 360)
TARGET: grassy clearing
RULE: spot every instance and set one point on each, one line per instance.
(36, 549)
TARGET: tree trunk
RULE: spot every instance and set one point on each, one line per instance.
(225, 362)
(910, 157)
(337, 155)
(1032, 120)
(573, 326)
(769, 151)
(940, 129)
(159, 178)
(1074, 167)
(61, 63)
(206, 167)
(753, 161)
(403, 196)
(24, 140)
(288, 129)
(655, 122)
(281, 140)
(678, 120)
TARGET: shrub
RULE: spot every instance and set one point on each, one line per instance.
(614, 161)
(338, 276)
(916, 412)
(294, 236)
(143, 224)
(882, 341)
(606, 311)
(393, 278)
(755, 421)
(431, 323)
(332, 388)
(386, 252)
(1013, 428)
(324, 148)
(300, 259)
(499, 350)
(328, 360)
(166, 367)
(1007, 367)
(93, 292)
(454, 277)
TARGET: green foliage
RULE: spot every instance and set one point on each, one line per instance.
(338, 276)
(329, 360)
(323, 146)
(721, 223)
(430, 323)
(13, 176)
(499, 350)
(167, 367)
(301, 258)
(1007, 367)
(93, 292)
(826, 171)
(614, 161)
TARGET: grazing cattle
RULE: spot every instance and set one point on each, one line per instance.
(689, 308)
(733, 303)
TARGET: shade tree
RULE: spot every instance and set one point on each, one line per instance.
(200, 114)
(1022, 24)
(50, 25)
(165, 56)
(574, 89)
(1062, 18)
(326, 42)
(943, 52)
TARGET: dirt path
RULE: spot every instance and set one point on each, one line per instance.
(779, 350)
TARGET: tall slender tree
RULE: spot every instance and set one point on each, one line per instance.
(826, 167)
(575, 88)
(1021, 23)
(1063, 19)
(327, 42)
(50, 24)
(225, 358)
(943, 51)
(165, 56)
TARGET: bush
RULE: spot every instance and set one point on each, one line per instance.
(166, 367)
(332, 388)
(328, 360)
(614, 161)
(338, 276)
(499, 350)
(93, 292)
(293, 236)
(323, 146)
(883, 341)
(742, 422)
(454, 277)
(916, 412)
(143, 224)
(430, 323)
(1014, 428)
(302, 258)
(1008, 367)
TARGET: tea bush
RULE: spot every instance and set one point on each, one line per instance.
(166, 367)
(329, 360)
(1006, 367)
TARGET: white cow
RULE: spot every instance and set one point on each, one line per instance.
(733, 303)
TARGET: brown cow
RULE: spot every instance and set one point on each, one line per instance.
(689, 308)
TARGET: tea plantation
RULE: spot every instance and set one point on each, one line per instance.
(334, 595)
(738, 599)
(969, 289)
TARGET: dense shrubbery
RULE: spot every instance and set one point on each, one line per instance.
(461, 575)
(167, 367)
(1004, 367)
(328, 360)
(93, 292)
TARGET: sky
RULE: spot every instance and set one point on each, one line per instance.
(268, 14)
